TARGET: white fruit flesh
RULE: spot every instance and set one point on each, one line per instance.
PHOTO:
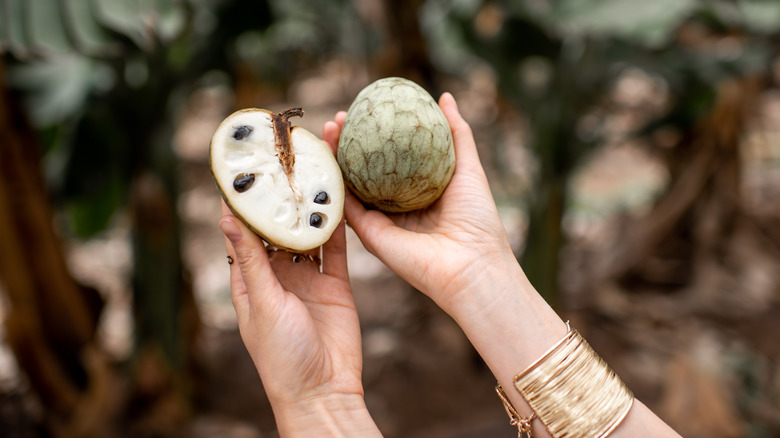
(282, 210)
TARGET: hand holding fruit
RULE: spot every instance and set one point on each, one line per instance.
(444, 247)
(284, 184)
(299, 325)
(301, 329)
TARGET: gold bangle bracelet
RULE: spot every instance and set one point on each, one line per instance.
(573, 391)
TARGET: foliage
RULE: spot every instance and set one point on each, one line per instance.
(557, 61)
(102, 80)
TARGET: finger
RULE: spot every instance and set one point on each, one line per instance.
(331, 130)
(341, 116)
(330, 134)
(394, 246)
(256, 277)
(371, 226)
(463, 137)
(293, 267)
(334, 253)
(238, 291)
(237, 286)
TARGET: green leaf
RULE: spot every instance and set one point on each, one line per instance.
(761, 15)
(13, 33)
(169, 18)
(58, 86)
(124, 17)
(46, 26)
(92, 214)
(143, 21)
(651, 23)
(90, 37)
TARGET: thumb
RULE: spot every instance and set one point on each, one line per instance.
(253, 276)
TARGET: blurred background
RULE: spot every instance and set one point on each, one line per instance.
(633, 149)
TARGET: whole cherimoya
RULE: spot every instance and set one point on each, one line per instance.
(396, 150)
(283, 182)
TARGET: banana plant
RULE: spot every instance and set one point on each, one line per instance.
(101, 82)
(556, 61)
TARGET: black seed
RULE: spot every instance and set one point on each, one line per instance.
(243, 182)
(315, 220)
(242, 132)
(321, 198)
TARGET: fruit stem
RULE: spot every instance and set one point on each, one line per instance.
(284, 148)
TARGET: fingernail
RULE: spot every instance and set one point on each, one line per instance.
(230, 230)
(450, 97)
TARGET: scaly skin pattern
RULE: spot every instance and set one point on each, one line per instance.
(396, 150)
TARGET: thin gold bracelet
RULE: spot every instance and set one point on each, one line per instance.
(573, 391)
(523, 424)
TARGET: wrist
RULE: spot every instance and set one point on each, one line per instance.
(508, 322)
(506, 319)
(477, 270)
(332, 415)
(490, 284)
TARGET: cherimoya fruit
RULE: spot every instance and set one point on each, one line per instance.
(280, 180)
(396, 151)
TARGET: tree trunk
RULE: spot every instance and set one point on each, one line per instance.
(52, 320)
(697, 215)
(545, 239)
(164, 308)
(405, 53)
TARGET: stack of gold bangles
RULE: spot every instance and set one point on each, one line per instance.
(572, 391)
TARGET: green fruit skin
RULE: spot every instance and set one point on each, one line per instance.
(395, 150)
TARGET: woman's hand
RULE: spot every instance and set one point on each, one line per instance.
(440, 250)
(299, 326)
(301, 329)
(457, 252)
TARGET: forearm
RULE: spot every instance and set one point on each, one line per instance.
(511, 326)
(329, 416)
